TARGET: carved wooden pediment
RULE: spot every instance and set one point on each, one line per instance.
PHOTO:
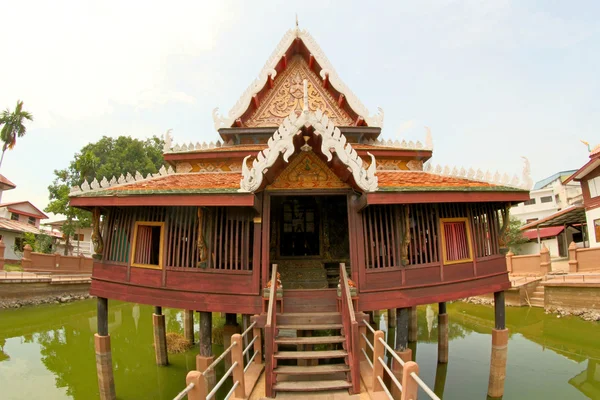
(287, 96)
(307, 171)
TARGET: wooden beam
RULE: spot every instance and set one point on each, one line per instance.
(326, 81)
(238, 123)
(311, 61)
(205, 339)
(499, 310)
(285, 61)
(271, 83)
(246, 199)
(256, 101)
(341, 99)
(443, 197)
(361, 203)
(359, 121)
(102, 316)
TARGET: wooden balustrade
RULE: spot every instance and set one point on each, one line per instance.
(351, 330)
(270, 333)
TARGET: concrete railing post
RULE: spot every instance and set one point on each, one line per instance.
(2, 248)
(26, 261)
(509, 261)
(545, 264)
(378, 351)
(257, 332)
(56, 260)
(573, 263)
(200, 390)
(410, 387)
(362, 332)
(238, 372)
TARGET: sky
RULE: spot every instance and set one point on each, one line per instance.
(494, 80)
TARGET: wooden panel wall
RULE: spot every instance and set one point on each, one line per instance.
(231, 239)
(181, 237)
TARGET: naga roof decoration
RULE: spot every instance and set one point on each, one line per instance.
(282, 141)
(327, 73)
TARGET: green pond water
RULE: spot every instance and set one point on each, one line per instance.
(47, 352)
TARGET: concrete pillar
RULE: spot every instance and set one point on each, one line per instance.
(26, 260)
(509, 261)
(104, 370)
(160, 337)
(573, 263)
(188, 325)
(499, 349)
(205, 358)
(545, 264)
(2, 247)
(413, 328)
(442, 334)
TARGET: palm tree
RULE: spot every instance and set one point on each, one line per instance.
(12, 126)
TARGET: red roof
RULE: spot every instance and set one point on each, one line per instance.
(17, 226)
(388, 180)
(205, 181)
(548, 232)
(14, 203)
(8, 184)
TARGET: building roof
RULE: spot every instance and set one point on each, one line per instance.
(569, 216)
(427, 181)
(5, 184)
(586, 169)
(12, 209)
(562, 175)
(17, 226)
(544, 233)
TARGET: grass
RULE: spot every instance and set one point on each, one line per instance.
(176, 343)
(12, 267)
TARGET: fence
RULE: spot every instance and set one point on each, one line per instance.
(410, 382)
(198, 387)
(530, 265)
(584, 260)
(55, 263)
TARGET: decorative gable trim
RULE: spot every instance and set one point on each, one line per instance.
(282, 141)
(327, 72)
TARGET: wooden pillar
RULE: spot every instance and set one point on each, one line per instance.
(104, 370)
(573, 263)
(205, 358)
(442, 333)
(499, 349)
(248, 337)
(391, 312)
(413, 328)
(231, 328)
(188, 325)
(401, 347)
(160, 337)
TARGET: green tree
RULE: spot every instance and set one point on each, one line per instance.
(513, 236)
(12, 127)
(107, 157)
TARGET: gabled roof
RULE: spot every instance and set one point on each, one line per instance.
(5, 184)
(586, 169)
(544, 233)
(11, 208)
(297, 41)
(17, 226)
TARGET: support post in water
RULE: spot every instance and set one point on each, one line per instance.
(188, 325)
(106, 382)
(401, 348)
(442, 333)
(412, 325)
(499, 348)
(160, 337)
(205, 358)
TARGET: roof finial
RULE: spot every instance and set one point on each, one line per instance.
(305, 108)
(587, 144)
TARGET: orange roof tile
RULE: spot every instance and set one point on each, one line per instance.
(416, 180)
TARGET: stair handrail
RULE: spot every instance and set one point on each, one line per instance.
(270, 333)
(351, 329)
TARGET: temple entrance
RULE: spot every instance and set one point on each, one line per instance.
(309, 239)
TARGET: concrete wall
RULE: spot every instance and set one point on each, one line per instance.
(588, 260)
(572, 296)
(29, 290)
(534, 247)
(526, 265)
(38, 262)
(9, 241)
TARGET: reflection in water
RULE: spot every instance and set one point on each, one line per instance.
(548, 357)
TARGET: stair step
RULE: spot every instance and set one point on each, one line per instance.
(311, 370)
(310, 340)
(307, 327)
(310, 355)
(534, 298)
(309, 318)
(311, 386)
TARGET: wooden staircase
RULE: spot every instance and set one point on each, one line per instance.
(310, 354)
(537, 297)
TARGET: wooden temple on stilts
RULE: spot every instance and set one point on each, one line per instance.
(302, 219)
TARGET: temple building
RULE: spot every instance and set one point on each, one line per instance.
(298, 183)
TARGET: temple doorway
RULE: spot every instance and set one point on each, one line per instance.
(309, 239)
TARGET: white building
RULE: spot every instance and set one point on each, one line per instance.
(81, 241)
(548, 197)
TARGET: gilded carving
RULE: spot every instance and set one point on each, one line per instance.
(183, 167)
(287, 96)
(307, 171)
